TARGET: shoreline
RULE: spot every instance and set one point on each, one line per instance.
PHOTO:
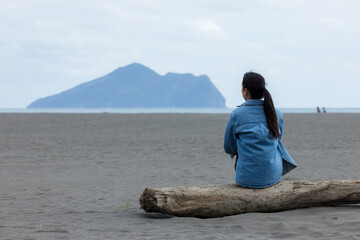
(170, 110)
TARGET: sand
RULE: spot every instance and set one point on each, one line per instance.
(79, 176)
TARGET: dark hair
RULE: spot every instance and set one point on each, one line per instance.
(255, 84)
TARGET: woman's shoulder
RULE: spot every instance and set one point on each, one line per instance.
(247, 114)
(239, 111)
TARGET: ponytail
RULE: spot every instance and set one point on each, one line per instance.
(270, 113)
(255, 84)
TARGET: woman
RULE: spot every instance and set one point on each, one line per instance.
(253, 134)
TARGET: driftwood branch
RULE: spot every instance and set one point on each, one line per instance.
(231, 199)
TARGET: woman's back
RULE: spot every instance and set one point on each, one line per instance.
(253, 134)
(259, 164)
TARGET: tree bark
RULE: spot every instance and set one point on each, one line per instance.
(224, 200)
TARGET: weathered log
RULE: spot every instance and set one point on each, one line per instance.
(224, 200)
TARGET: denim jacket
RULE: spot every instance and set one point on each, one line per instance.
(262, 158)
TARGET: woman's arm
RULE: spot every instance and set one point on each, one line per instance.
(280, 123)
(229, 138)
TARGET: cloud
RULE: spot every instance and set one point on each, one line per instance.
(208, 28)
(54, 45)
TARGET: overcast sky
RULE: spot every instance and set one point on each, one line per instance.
(308, 51)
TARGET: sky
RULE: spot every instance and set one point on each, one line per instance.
(308, 51)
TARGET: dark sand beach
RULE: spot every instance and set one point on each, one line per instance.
(79, 176)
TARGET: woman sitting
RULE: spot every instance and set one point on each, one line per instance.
(253, 135)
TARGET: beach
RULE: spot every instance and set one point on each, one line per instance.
(79, 176)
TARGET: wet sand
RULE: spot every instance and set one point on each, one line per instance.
(79, 176)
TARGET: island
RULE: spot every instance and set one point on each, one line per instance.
(137, 86)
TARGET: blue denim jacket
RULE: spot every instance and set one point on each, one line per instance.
(262, 158)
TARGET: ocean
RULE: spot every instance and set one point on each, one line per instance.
(165, 110)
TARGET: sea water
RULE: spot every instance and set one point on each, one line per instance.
(164, 110)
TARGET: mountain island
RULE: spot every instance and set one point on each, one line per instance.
(137, 86)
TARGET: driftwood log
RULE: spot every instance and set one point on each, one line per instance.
(224, 200)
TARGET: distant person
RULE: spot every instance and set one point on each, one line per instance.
(318, 109)
(253, 135)
(324, 110)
